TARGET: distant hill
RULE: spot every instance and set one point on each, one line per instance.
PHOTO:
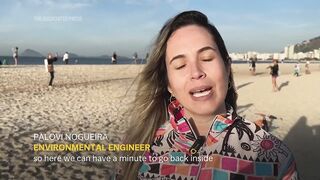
(105, 56)
(71, 55)
(31, 53)
(308, 45)
(119, 57)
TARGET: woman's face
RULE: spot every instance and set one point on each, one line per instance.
(197, 75)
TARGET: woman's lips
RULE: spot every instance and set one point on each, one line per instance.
(201, 93)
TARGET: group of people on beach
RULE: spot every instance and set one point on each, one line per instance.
(297, 69)
(134, 58)
(274, 71)
(50, 59)
(15, 57)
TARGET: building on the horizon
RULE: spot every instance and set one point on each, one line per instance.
(237, 56)
(316, 53)
(276, 56)
(291, 52)
(264, 56)
(287, 54)
(250, 55)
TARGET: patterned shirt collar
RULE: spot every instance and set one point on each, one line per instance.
(181, 124)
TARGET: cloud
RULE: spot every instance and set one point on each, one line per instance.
(6, 28)
(58, 4)
(173, 3)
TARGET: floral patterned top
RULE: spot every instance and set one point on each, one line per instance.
(233, 149)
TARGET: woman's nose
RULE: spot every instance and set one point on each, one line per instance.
(197, 72)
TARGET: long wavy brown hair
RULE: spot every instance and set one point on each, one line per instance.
(148, 111)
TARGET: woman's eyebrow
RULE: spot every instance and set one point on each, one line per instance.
(207, 48)
(176, 57)
(199, 51)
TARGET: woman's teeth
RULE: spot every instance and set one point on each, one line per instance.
(201, 93)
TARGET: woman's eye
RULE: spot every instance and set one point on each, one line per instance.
(207, 59)
(180, 67)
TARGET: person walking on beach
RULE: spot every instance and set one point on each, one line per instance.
(49, 66)
(66, 58)
(274, 72)
(4, 62)
(253, 66)
(135, 58)
(185, 110)
(15, 55)
(307, 70)
(296, 71)
(114, 58)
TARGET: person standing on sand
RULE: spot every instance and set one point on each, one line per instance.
(114, 58)
(135, 57)
(296, 71)
(253, 65)
(66, 58)
(15, 55)
(274, 72)
(307, 70)
(4, 62)
(49, 66)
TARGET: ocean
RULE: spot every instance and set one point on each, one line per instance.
(78, 60)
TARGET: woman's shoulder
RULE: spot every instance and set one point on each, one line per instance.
(245, 142)
(261, 144)
(256, 128)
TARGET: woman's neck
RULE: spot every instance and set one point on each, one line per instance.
(203, 123)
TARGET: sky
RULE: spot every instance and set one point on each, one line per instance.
(99, 27)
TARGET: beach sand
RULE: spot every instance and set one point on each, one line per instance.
(94, 98)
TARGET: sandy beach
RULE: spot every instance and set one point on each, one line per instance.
(94, 98)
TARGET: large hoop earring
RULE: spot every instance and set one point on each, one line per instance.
(172, 98)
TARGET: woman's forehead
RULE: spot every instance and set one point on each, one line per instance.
(189, 38)
(190, 31)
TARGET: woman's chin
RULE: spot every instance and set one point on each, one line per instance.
(208, 109)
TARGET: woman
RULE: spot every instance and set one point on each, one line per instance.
(253, 65)
(114, 58)
(49, 66)
(15, 55)
(185, 107)
(274, 72)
